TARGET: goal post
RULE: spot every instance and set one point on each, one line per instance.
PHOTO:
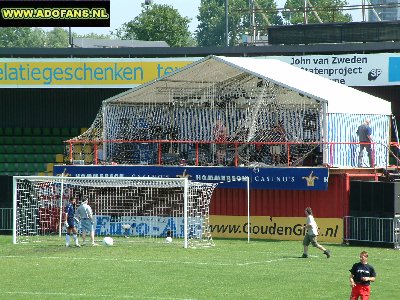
(140, 208)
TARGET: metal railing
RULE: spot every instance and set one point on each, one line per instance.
(6, 220)
(371, 229)
(234, 153)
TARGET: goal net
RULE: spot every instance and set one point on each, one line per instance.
(137, 208)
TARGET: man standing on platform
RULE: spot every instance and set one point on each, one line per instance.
(364, 132)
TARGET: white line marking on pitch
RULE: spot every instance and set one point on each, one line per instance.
(160, 261)
(89, 295)
(266, 261)
(124, 260)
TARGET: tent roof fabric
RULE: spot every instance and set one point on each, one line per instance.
(216, 69)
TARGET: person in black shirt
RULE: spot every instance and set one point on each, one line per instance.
(362, 274)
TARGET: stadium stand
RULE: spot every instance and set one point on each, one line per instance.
(32, 151)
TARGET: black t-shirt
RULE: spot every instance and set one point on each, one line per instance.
(360, 270)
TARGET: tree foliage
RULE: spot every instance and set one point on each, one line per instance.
(212, 23)
(57, 38)
(329, 11)
(158, 23)
(25, 37)
(21, 37)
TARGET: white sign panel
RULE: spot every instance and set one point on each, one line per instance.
(351, 69)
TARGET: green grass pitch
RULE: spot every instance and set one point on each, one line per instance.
(232, 269)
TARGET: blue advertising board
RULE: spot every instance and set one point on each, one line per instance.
(303, 178)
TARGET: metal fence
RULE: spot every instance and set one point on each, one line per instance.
(374, 230)
(6, 220)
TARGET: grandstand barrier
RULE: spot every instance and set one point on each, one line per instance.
(205, 153)
(6, 220)
(372, 231)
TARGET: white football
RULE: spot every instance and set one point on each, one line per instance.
(108, 241)
(126, 226)
(168, 239)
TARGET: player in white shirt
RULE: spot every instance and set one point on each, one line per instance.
(311, 234)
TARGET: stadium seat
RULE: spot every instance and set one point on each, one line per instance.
(46, 131)
(47, 140)
(88, 159)
(55, 131)
(59, 158)
(17, 131)
(75, 132)
(49, 167)
(12, 168)
(31, 168)
(57, 140)
(47, 149)
(20, 157)
(41, 158)
(20, 149)
(25, 140)
(9, 149)
(8, 140)
(58, 149)
(37, 131)
(28, 149)
(8, 131)
(27, 131)
(65, 132)
(31, 158)
(77, 148)
(36, 140)
(18, 140)
(87, 149)
(48, 158)
(7, 158)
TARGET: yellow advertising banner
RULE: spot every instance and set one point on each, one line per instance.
(85, 72)
(275, 228)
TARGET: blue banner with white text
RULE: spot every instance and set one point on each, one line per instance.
(227, 177)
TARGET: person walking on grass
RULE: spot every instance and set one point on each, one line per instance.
(311, 234)
(69, 213)
(362, 274)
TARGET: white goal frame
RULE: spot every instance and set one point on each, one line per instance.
(193, 194)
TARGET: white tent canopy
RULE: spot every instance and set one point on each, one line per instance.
(250, 97)
(212, 69)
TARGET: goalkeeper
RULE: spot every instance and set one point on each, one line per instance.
(85, 214)
(70, 222)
